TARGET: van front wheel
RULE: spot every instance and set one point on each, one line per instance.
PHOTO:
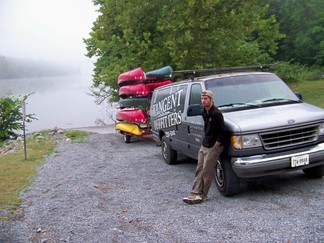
(314, 172)
(168, 153)
(227, 182)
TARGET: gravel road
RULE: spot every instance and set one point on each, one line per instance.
(104, 190)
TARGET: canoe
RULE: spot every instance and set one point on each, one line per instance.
(129, 128)
(154, 84)
(132, 115)
(131, 76)
(160, 74)
(140, 89)
(138, 102)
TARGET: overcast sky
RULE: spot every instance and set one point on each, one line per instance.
(45, 29)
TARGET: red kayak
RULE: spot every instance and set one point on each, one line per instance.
(153, 85)
(131, 76)
(140, 89)
(132, 115)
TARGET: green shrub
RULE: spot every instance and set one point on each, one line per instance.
(314, 73)
(291, 73)
(11, 116)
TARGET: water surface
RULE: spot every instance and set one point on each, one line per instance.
(62, 101)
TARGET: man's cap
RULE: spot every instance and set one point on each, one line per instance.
(208, 93)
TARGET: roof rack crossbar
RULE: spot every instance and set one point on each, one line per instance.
(198, 72)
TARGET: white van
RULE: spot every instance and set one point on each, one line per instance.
(270, 130)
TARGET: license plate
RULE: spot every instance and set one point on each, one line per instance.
(299, 160)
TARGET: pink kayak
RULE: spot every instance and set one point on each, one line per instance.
(132, 115)
(152, 85)
(140, 89)
(132, 76)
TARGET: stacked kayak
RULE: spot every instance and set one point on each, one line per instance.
(161, 74)
(158, 78)
(135, 91)
(132, 115)
(130, 77)
(140, 89)
(135, 101)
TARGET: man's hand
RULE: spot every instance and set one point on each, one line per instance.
(217, 144)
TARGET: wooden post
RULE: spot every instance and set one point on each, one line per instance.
(24, 128)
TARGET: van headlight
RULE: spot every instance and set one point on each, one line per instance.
(321, 130)
(246, 141)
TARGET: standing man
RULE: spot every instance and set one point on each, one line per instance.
(212, 147)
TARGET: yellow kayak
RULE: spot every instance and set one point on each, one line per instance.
(129, 127)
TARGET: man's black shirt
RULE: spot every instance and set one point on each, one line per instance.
(214, 127)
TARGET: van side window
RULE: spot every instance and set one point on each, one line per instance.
(174, 89)
(195, 94)
(183, 96)
(162, 93)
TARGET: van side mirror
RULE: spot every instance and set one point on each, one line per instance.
(194, 110)
(299, 95)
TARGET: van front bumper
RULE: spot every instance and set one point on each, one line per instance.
(271, 164)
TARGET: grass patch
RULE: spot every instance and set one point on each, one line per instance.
(16, 172)
(312, 91)
(76, 135)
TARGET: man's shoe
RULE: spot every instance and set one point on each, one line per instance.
(193, 199)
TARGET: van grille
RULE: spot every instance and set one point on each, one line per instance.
(289, 137)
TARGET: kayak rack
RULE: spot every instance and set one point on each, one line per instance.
(135, 92)
(191, 74)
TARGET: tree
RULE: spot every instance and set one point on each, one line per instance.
(183, 34)
(11, 116)
(218, 33)
(302, 21)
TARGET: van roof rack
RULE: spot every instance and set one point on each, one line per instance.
(202, 72)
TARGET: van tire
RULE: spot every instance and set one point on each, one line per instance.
(314, 172)
(228, 184)
(169, 154)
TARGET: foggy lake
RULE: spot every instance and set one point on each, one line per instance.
(62, 101)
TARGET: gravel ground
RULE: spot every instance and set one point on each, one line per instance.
(104, 190)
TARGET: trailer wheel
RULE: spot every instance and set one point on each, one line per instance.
(168, 153)
(227, 182)
(127, 138)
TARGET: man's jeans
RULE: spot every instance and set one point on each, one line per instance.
(207, 158)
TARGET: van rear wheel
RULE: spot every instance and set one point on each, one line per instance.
(227, 182)
(168, 153)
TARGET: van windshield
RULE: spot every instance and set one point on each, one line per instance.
(250, 90)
